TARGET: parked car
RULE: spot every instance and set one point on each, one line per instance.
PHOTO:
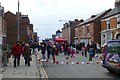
(111, 59)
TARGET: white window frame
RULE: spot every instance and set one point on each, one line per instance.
(118, 21)
(83, 30)
(108, 24)
(103, 40)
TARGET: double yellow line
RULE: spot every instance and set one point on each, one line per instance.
(44, 72)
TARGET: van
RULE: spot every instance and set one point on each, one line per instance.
(111, 59)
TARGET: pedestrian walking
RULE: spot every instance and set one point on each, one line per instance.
(27, 54)
(17, 51)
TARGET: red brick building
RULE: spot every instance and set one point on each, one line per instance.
(12, 30)
(68, 32)
(110, 24)
(89, 30)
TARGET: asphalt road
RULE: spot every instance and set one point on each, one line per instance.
(85, 68)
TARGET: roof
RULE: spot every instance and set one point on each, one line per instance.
(10, 13)
(114, 11)
(114, 40)
(93, 17)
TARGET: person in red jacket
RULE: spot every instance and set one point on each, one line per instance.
(17, 51)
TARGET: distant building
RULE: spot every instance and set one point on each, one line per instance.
(53, 36)
(68, 32)
(35, 37)
(58, 33)
(110, 24)
(31, 37)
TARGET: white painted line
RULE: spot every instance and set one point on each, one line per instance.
(83, 62)
(72, 62)
(91, 62)
(62, 62)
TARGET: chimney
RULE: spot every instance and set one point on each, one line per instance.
(76, 20)
(93, 16)
(81, 20)
(117, 3)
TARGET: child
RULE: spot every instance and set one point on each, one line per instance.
(90, 51)
(72, 52)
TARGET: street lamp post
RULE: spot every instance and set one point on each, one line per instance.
(18, 24)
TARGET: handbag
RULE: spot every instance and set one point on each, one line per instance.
(30, 59)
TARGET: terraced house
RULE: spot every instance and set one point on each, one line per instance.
(89, 30)
(26, 29)
(110, 24)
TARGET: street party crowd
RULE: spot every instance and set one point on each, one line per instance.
(51, 49)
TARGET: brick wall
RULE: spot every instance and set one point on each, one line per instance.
(103, 25)
(65, 33)
(113, 22)
(12, 29)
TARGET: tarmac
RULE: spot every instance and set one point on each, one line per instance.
(34, 71)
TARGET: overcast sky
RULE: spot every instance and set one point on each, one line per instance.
(45, 14)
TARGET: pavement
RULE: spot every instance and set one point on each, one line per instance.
(35, 70)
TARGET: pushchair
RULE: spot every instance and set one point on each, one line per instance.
(44, 62)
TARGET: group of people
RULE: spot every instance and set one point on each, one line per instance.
(90, 49)
(67, 49)
(17, 50)
(52, 49)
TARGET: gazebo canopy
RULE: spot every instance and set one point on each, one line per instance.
(60, 39)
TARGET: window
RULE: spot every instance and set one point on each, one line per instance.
(109, 36)
(83, 30)
(108, 24)
(113, 47)
(103, 39)
(118, 22)
(88, 29)
(76, 31)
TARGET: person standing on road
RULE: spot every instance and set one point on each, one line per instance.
(17, 51)
(84, 51)
(53, 53)
(91, 52)
(72, 52)
(27, 54)
(49, 50)
(43, 50)
(65, 47)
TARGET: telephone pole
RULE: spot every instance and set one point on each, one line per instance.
(18, 23)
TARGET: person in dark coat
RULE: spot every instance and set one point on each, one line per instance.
(65, 47)
(43, 50)
(27, 54)
(49, 50)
